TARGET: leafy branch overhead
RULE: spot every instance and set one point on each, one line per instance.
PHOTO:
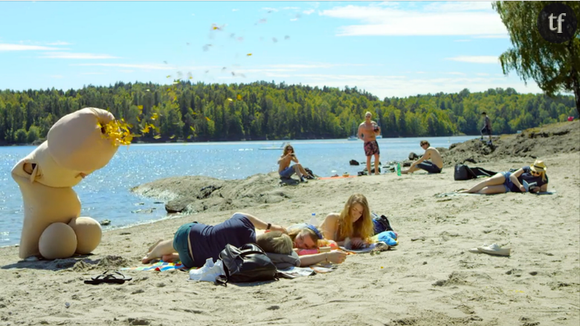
(555, 67)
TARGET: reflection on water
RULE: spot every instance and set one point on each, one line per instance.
(105, 193)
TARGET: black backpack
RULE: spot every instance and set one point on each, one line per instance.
(463, 172)
(248, 263)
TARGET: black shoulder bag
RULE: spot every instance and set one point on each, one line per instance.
(248, 263)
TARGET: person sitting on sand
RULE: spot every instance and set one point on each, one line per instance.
(534, 175)
(354, 223)
(194, 243)
(433, 166)
(284, 168)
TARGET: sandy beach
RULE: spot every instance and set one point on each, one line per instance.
(430, 278)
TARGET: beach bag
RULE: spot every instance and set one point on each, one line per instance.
(463, 172)
(248, 263)
(309, 172)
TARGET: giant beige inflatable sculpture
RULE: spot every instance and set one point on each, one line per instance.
(75, 146)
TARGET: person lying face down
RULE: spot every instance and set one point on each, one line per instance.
(353, 222)
(502, 182)
(194, 243)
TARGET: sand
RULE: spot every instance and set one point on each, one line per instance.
(431, 278)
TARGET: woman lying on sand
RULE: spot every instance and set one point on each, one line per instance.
(354, 222)
(534, 175)
(194, 242)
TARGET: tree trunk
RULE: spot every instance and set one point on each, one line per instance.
(575, 77)
(576, 91)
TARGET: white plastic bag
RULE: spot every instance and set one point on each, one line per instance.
(208, 272)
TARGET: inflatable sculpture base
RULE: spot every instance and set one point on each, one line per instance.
(75, 146)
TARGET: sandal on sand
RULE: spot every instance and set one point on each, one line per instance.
(106, 277)
(493, 249)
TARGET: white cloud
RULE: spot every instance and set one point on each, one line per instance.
(235, 9)
(441, 19)
(70, 55)
(308, 12)
(22, 47)
(293, 19)
(58, 43)
(400, 86)
(476, 59)
(457, 6)
(124, 65)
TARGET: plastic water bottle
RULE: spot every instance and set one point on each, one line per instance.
(313, 220)
(399, 169)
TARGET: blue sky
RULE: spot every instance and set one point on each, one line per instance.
(386, 48)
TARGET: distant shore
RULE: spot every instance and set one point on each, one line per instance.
(430, 278)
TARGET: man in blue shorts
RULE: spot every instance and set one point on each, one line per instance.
(433, 166)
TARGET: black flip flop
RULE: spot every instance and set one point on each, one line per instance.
(106, 277)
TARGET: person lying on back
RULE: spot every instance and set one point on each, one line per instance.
(431, 161)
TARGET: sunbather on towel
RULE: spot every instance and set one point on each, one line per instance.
(354, 222)
(194, 242)
(534, 175)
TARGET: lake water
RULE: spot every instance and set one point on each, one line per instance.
(105, 193)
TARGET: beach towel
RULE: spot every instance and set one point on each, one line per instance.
(159, 266)
(295, 271)
(451, 194)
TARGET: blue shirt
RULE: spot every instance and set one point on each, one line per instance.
(209, 240)
(529, 178)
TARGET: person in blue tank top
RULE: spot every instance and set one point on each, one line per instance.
(194, 243)
(534, 176)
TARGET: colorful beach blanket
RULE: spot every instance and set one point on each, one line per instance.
(160, 266)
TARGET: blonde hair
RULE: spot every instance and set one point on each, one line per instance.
(285, 149)
(541, 170)
(363, 227)
(542, 174)
(275, 242)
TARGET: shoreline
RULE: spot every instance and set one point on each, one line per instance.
(430, 278)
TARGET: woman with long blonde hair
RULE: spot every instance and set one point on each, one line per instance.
(353, 222)
(534, 176)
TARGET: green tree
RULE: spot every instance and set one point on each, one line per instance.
(33, 134)
(20, 136)
(553, 66)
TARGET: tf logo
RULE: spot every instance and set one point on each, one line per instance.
(557, 23)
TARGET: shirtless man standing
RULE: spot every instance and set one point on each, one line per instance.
(433, 166)
(367, 132)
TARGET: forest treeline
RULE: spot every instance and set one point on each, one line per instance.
(266, 110)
